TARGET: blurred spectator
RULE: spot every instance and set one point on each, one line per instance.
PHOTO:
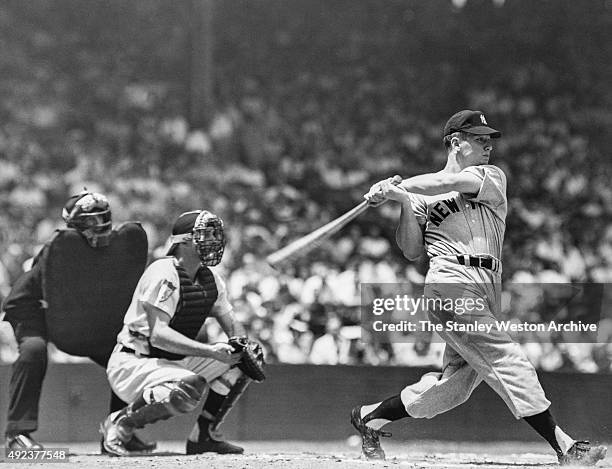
(332, 348)
(291, 144)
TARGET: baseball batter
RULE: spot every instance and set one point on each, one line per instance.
(161, 363)
(457, 216)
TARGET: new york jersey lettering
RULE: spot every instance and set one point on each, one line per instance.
(456, 223)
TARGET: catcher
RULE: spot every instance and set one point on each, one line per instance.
(162, 364)
(71, 290)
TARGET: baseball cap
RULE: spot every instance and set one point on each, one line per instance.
(182, 229)
(472, 122)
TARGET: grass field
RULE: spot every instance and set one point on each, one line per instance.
(322, 455)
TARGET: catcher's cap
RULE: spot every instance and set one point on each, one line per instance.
(182, 230)
(472, 122)
(187, 224)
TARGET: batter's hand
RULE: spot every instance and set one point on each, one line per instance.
(374, 195)
(225, 353)
(384, 190)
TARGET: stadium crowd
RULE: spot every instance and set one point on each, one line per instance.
(290, 145)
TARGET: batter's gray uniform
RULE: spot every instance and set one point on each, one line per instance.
(461, 232)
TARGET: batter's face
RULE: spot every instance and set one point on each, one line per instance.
(474, 149)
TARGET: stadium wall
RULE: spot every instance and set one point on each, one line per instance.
(308, 402)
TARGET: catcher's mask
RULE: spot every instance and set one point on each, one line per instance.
(89, 213)
(205, 231)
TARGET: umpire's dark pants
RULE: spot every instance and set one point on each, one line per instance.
(28, 373)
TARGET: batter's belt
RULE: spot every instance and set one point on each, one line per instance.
(483, 261)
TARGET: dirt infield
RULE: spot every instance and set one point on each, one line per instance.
(322, 455)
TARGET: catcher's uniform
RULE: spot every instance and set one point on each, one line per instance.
(463, 238)
(134, 366)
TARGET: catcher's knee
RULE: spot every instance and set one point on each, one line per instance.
(226, 381)
(178, 397)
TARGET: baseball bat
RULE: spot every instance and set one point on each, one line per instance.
(311, 241)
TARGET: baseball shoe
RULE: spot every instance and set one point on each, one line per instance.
(209, 444)
(370, 438)
(583, 454)
(210, 441)
(114, 438)
(135, 445)
(212, 446)
(22, 441)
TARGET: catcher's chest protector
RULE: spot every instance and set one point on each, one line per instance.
(88, 290)
(195, 305)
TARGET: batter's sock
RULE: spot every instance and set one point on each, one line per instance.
(209, 411)
(380, 414)
(545, 425)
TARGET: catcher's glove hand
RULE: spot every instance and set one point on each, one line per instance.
(252, 357)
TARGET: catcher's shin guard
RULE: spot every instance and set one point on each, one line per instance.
(163, 401)
(157, 403)
(205, 437)
(230, 400)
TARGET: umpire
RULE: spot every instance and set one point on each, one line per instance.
(26, 308)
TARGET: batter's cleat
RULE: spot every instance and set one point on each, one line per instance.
(22, 441)
(135, 445)
(370, 438)
(113, 437)
(212, 446)
(583, 454)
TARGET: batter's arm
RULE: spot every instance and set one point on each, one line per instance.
(164, 337)
(408, 235)
(442, 182)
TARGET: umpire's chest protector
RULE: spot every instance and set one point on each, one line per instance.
(195, 305)
(88, 290)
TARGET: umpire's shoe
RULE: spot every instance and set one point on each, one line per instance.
(583, 454)
(370, 442)
(22, 441)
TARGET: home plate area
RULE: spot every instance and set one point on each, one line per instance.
(321, 455)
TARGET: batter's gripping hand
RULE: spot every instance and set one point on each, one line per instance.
(252, 357)
(376, 195)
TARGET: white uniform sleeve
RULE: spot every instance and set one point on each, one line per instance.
(419, 207)
(492, 191)
(160, 287)
(222, 305)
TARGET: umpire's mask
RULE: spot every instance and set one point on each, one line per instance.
(89, 213)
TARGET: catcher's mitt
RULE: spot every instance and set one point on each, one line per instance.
(252, 357)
